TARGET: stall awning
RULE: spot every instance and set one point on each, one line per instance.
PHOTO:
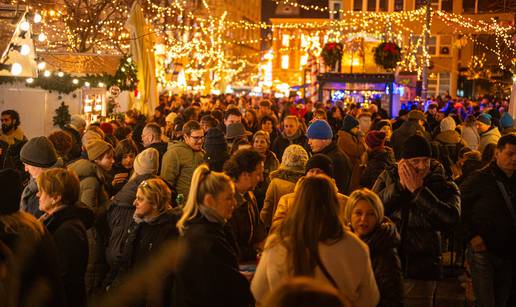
(81, 63)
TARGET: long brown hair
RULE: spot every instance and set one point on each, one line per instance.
(314, 219)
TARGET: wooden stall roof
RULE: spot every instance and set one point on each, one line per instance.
(80, 63)
(7, 28)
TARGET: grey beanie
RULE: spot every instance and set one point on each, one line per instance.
(39, 152)
(294, 158)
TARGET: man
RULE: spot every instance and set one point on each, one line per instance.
(292, 134)
(245, 168)
(402, 117)
(422, 202)
(320, 137)
(182, 158)
(415, 125)
(431, 117)
(351, 141)
(488, 133)
(364, 122)
(11, 140)
(489, 219)
(232, 116)
(37, 155)
(151, 137)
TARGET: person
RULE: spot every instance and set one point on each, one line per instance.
(415, 125)
(320, 137)
(245, 168)
(506, 124)
(67, 221)
(431, 117)
(76, 129)
(262, 144)
(268, 124)
(182, 157)
(313, 242)
(385, 126)
(422, 202)
(232, 116)
(379, 158)
(152, 229)
(208, 275)
(251, 120)
(12, 140)
(283, 180)
(402, 118)
(125, 151)
(351, 142)
(216, 149)
(489, 223)
(305, 292)
(236, 132)
(470, 133)
(364, 122)
(151, 137)
(449, 143)
(63, 144)
(292, 134)
(488, 133)
(365, 215)
(37, 155)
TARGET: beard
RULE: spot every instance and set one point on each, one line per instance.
(7, 128)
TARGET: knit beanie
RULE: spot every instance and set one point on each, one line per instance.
(11, 190)
(107, 128)
(506, 121)
(322, 162)
(97, 148)
(485, 119)
(40, 152)
(77, 121)
(416, 115)
(384, 122)
(416, 146)
(447, 124)
(349, 122)
(90, 136)
(319, 130)
(214, 136)
(375, 138)
(294, 158)
(147, 162)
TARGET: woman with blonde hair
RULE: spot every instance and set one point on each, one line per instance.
(208, 274)
(312, 241)
(365, 214)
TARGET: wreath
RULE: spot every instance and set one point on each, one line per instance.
(332, 53)
(387, 55)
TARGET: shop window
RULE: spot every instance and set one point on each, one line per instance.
(285, 61)
(377, 5)
(357, 5)
(285, 40)
(335, 7)
(398, 5)
(439, 83)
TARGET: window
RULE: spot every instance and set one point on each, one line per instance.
(284, 61)
(398, 5)
(285, 40)
(445, 45)
(303, 61)
(357, 5)
(439, 83)
(377, 5)
(432, 44)
(444, 5)
(335, 7)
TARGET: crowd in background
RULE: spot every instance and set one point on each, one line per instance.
(242, 201)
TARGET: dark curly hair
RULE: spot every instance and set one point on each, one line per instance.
(15, 117)
(62, 142)
(244, 160)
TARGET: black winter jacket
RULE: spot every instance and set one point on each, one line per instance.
(342, 168)
(161, 147)
(68, 227)
(377, 161)
(281, 143)
(485, 213)
(421, 216)
(208, 274)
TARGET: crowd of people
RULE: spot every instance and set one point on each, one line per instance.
(240, 201)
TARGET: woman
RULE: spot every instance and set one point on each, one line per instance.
(262, 144)
(67, 221)
(125, 152)
(313, 242)
(251, 120)
(208, 274)
(379, 157)
(470, 133)
(365, 215)
(152, 228)
(268, 124)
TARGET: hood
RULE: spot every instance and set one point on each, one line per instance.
(287, 175)
(83, 168)
(448, 137)
(329, 149)
(493, 131)
(384, 237)
(126, 196)
(385, 155)
(78, 211)
(181, 146)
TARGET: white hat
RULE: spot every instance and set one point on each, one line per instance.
(146, 162)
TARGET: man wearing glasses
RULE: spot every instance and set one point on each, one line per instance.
(182, 158)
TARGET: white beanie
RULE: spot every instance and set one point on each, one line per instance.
(447, 124)
(146, 162)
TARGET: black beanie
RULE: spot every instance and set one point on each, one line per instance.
(10, 189)
(349, 122)
(322, 162)
(40, 152)
(416, 146)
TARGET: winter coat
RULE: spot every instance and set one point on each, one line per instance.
(283, 181)
(16, 137)
(347, 261)
(377, 161)
(484, 212)
(282, 142)
(93, 186)
(270, 165)
(508, 131)
(75, 152)
(491, 136)
(471, 137)
(208, 274)
(119, 171)
(178, 165)
(420, 217)
(119, 217)
(68, 227)
(29, 199)
(407, 129)
(161, 147)
(342, 169)
(354, 147)
(447, 146)
(383, 243)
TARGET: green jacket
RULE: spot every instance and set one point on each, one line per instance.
(93, 192)
(178, 165)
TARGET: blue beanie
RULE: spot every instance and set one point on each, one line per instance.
(349, 122)
(506, 121)
(485, 119)
(320, 130)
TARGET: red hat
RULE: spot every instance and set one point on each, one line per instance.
(375, 138)
(107, 128)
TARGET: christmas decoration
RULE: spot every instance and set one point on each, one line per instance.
(62, 117)
(332, 53)
(387, 55)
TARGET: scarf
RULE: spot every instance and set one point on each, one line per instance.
(211, 215)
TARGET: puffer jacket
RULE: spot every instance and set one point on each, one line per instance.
(421, 216)
(92, 181)
(377, 161)
(178, 165)
(489, 137)
(383, 243)
(68, 227)
(283, 181)
(400, 135)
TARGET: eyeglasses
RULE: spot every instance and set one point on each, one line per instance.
(197, 138)
(144, 184)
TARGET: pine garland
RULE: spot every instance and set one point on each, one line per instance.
(62, 117)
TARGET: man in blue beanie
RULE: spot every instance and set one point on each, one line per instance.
(506, 124)
(320, 136)
(489, 134)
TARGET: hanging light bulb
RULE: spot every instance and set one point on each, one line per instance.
(60, 74)
(87, 84)
(29, 80)
(75, 81)
(16, 69)
(101, 84)
(37, 18)
(47, 73)
(25, 26)
(25, 49)
(42, 65)
(42, 37)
